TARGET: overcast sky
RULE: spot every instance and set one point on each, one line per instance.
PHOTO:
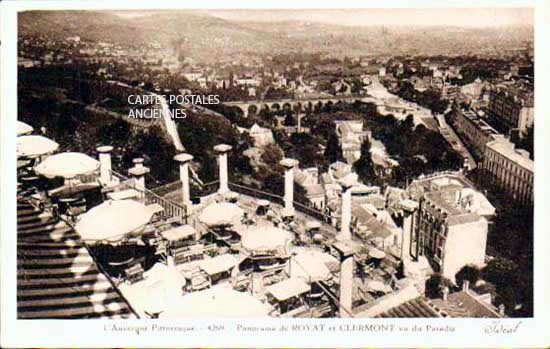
(461, 17)
(472, 17)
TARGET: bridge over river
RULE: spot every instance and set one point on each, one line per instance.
(256, 105)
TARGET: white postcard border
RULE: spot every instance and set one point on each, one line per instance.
(530, 332)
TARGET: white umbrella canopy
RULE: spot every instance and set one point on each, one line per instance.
(162, 286)
(23, 128)
(35, 145)
(67, 165)
(310, 266)
(216, 302)
(266, 238)
(113, 219)
(220, 213)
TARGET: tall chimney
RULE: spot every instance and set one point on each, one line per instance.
(289, 165)
(465, 285)
(445, 292)
(222, 150)
(105, 163)
(184, 160)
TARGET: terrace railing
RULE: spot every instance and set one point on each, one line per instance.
(172, 210)
(211, 187)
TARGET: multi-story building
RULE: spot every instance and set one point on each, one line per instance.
(510, 168)
(473, 131)
(512, 106)
(351, 136)
(449, 91)
(450, 224)
(449, 235)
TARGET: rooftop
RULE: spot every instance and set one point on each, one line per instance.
(479, 123)
(508, 150)
(465, 304)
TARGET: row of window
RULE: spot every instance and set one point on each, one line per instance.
(520, 188)
(514, 169)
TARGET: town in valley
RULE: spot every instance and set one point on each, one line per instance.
(327, 169)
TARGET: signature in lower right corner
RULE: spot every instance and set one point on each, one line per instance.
(500, 327)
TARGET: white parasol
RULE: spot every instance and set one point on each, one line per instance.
(220, 213)
(35, 145)
(23, 128)
(216, 302)
(113, 219)
(266, 238)
(162, 286)
(310, 266)
(67, 165)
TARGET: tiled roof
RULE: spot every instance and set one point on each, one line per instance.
(464, 304)
(506, 149)
(463, 219)
(415, 308)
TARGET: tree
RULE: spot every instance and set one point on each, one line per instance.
(289, 120)
(272, 155)
(500, 271)
(468, 272)
(364, 166)
(333, 151)
(435, 284)
(527, 141)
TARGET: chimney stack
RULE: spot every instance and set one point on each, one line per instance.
(445, 293)
(465, 285)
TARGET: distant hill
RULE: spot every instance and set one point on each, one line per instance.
(206, 37)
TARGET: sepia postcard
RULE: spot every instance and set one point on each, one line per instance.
(288, 174)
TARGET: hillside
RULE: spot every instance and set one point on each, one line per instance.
(205, 37)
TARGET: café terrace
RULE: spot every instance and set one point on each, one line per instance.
(93, 243)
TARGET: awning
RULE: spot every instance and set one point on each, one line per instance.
(313, 225)
(35, 145)
(218, 264)
(178, 233)
(72, 189)
(288, 288)
(67, 165)
(216, 302)
(376, 253)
